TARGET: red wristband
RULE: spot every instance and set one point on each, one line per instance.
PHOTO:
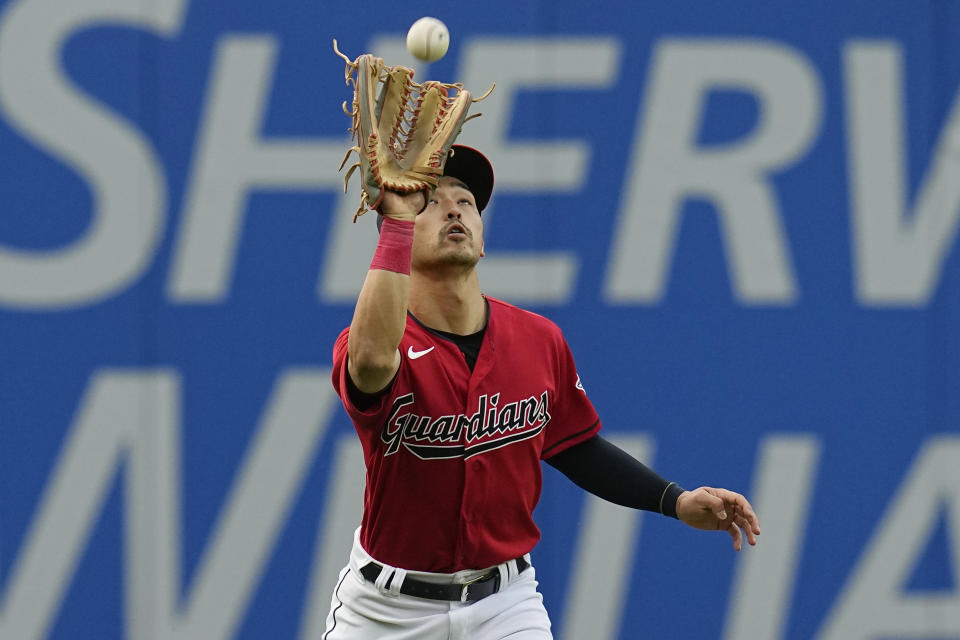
(395, 246)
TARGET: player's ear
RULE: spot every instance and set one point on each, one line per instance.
(481, 249)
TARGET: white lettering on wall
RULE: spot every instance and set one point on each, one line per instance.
(131, 420)
(898, 254)
(874, 603)
(341, 516)
(667, 167)
(232, 160)
(604, 558)
(782, 493)
(117, 162)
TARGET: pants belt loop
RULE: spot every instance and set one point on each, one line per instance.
(505, 575)
(399, 575)
(384, 580)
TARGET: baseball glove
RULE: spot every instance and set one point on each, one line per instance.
(403, 130)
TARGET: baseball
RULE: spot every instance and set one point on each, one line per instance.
(428, 39)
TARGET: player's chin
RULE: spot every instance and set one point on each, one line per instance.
(461, 256)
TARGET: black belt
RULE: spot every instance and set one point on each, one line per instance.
(477, 589)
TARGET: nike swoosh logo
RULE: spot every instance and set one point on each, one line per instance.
(413, 355)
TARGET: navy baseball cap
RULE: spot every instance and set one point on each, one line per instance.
(473, 169)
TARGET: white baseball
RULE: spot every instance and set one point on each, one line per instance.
(428, 39)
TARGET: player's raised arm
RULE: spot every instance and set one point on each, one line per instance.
(381, 312)
(403, 132)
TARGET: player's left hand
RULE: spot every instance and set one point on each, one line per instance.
(720, 510)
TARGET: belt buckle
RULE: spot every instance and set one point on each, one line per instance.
(465, 589)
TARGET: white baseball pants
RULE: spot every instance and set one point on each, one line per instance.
(364, 610)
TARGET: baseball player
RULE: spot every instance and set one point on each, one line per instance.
(456, 398)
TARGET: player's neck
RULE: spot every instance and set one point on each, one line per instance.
(452, 305)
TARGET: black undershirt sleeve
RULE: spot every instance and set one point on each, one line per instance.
(600, 467)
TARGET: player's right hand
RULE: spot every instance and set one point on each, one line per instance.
(721, 510)
(403, 206)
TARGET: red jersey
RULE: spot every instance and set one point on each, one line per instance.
(453, 456)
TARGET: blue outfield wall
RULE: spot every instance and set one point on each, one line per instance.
(744, 216)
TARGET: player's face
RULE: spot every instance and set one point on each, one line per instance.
(449, 231)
